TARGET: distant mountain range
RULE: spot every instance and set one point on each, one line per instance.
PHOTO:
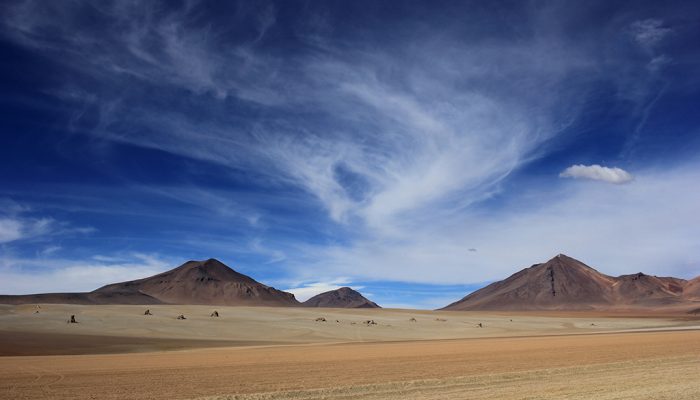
(561, 283)
(194, 282)
(564, 283)
(209, 282)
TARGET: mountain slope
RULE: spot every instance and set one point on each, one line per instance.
(340, 298)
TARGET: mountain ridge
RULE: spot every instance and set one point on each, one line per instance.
(564, 283)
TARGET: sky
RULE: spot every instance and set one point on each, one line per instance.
(412, 150)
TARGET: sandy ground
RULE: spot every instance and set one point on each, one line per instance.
(274, 353)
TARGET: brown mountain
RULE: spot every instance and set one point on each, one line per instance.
(340, 298)
(194, 282)
(564, 283)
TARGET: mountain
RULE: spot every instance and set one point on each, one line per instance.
(561, 282)
(564, 283)
(340, 298)
(207, 282)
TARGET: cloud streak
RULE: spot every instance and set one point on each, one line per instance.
(378, 145)
(649, 32)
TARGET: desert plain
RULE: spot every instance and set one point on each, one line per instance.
(116, 352)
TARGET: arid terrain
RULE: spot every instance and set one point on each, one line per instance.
(285, 353)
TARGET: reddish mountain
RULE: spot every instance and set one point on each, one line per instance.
(207, 282)
(564, 283)
(340, 298)
(561, 282)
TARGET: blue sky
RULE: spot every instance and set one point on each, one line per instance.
(412, 150)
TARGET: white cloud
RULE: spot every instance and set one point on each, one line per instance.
(597, 173)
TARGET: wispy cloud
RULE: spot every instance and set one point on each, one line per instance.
(20, 276)
(596, 172)
(394, 141)
(386, 137)
(649, 32)
(648, 226)
(19, 223)
(15, 225)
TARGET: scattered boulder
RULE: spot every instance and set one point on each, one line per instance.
(148, 312)
(413, 320)
(72, 320)
(480, 325)
(320, 319)
(215, 314)
(181, 317)
(370, 322)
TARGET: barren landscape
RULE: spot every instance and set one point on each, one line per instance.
(285, 353)
(321, 200)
